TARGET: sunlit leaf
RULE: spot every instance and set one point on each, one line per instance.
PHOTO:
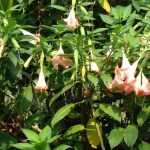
(45, 134)
(116, 137)
(74, 129)
(62, 113)
(24, 146)
(130, 135)
(62, 147)
(105, 4)
(31, 135)
(94, 134)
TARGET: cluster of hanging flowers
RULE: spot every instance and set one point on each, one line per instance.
(126, 82)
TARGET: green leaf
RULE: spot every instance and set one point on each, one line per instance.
(106, 78)
(45, 134)
(105, 4)
(76, 58)
(142, 117)
(23, 146)
(130, 135)
(94, 134)
(83, 9)
(136, 5)
(127, 12)
(31, 135)
(6, 4)
(58, 7)
(116, 137)
(112, 111)
(93, 79)
(54, 138)
(117, 12)
(12, 56)
(6, 138)
(56, 96)
(144, 146)
(15, 43)
(62, 147)
(24, 100)
(62, 113)
(42, 146)
(74, 129)
(107, 19)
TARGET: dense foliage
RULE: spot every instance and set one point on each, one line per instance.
(74, 74)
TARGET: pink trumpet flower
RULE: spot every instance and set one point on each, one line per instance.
(61, 60)
(71, 21)
(124, 77)
(142, 85)
(41, 84)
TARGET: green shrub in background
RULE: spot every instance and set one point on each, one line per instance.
(74, 74)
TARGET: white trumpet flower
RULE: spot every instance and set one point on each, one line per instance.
(71, 21)
(41, 85)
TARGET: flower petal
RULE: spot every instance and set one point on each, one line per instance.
(71, 21)
(41, 84)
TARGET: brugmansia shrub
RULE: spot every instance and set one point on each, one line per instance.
(74, 74)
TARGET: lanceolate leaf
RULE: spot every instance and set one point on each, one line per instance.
(112, 111)
(45, 134)
(31, 135)
(62, 147)
(54, 138)
(66, 88)
(74, 129)
(62, 113)
(24, 146)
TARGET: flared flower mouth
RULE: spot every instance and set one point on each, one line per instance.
(41, 83)
(71, 21)
(61, 60)
(117, 84)
(124, 77)
(142, 85)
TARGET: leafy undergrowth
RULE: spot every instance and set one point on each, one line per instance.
(74, 74)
